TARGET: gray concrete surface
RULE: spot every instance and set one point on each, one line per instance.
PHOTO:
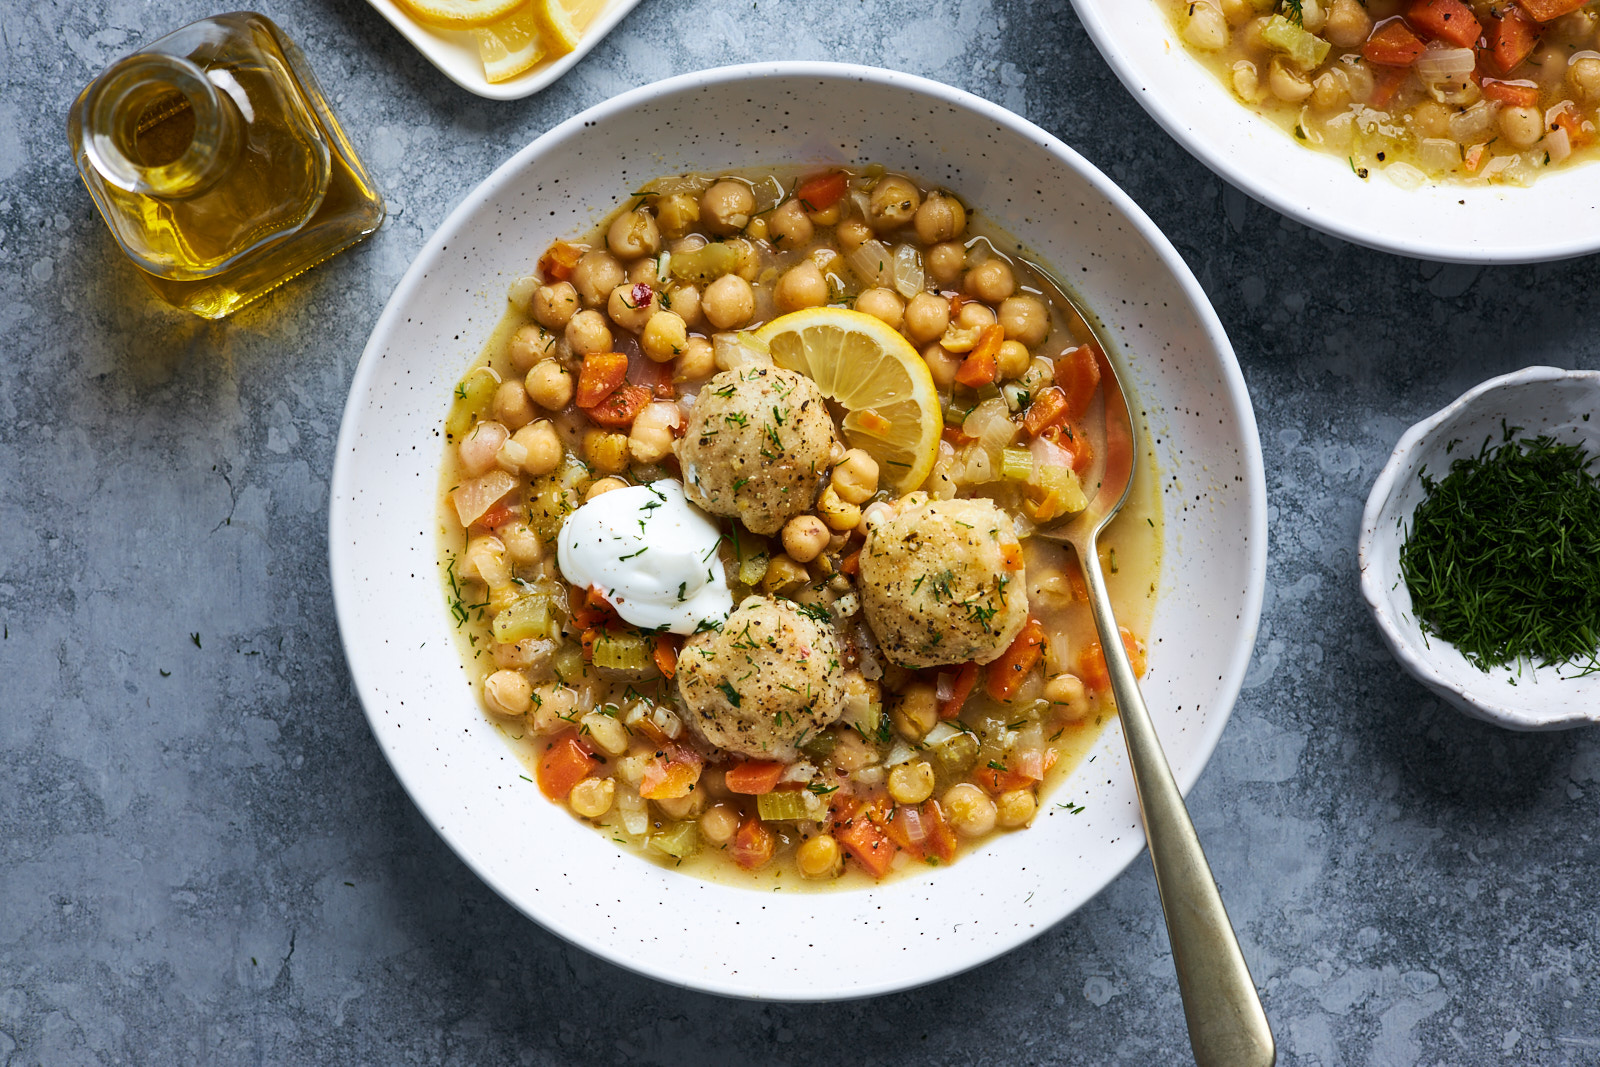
(204, 860)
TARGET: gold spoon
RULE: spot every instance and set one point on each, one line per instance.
(1227, 1026)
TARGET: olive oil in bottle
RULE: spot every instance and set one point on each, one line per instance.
(218, 164)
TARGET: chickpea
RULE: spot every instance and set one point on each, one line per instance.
(804, 537)
(940, 218)
(684, 302)
(512, 406)
(1287, 83)
(676, 213)
(1431, 119)
(1348, 23)
(852, 234)
(645, 272)
(942, 364)
(801, 286)
(893, 203)
(687, 806)
(543, 445)
(1521, 126)
(748, 262)
(1012, 360)
(650, 440)
(553, 305)
(757, 230)
(522, 544)
(485, 561)
(592, 797)
(827, 216)
(970, 811)
(1015, 808)
(916, 712)
(728, 302)
(1026, 319)
(1583, 77)
(696, 362)
(855, 477)
(991, 281)
(1068, 696)
(726, 207)
(587, 332)
(837, 512)
(1206, 28)
(664, 337)
(783, 574)
(911, 783)
(507, 693)
(1331, 89)
(520, 292)
(788, 226)
(602, 487)
(595, 275)
(719, 823)
(479, 449)
(1246, 82)
(549, 385)
(520, 655)
(945, 261)
(927, 317)
(529, 345)
(633, 234)
(819, 857)
(631, 306)
(974, 316)
(608, 735)
(552, 708)
(1313, 15)
(606, 452)
(884, 304)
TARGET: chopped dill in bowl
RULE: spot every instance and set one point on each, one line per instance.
(1503, 556)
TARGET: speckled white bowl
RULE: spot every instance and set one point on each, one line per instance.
(1558, 217)
(1541, 400)
(397, 633)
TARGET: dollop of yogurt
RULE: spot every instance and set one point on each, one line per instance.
(651, 553)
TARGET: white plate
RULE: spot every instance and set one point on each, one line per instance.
(1558, 217)
(455, 52)
(391, 606)
(1541, 400)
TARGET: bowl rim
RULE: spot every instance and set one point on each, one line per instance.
(1401, 467)
(1267, 188)
(1231, 377)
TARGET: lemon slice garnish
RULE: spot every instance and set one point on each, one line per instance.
(561, 33)
(869, 369)
(459, 14)
(511, 45)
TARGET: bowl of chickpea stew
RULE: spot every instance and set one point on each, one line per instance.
(478, 761)
(1451, 130)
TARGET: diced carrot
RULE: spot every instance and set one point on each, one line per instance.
(867, 843)
(666, 655)
(1078, 375)
(558, 260)
(753, 845)
(1075, 439)
(1386, 84)
(1445, 20)
(656, 377)
(1580, 132)
(501, 512)
(1475, 158)
(956, 300)
(851, 564)
(567, 761)
(941, 838)
(592, 609)
(754, 777)
(617, 411)
(936, 839)
(1546, 10)
(966, 679)
(1512, 37)
(1049, 406)
(1512, 94)
(1392, 44)
(1005, 675)
(1011, 556)
(586, 641)
(955, 437)
(822, 191)
(601, 374)
(1092, 661)
(1022, 772)
(981, 365)
(671, 773)
(1079, 587)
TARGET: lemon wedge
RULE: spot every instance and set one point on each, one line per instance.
(512, 44)
(561, 32)
(869, 369)
(459, 14)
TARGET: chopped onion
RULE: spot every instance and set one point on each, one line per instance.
(867, 776)
(872, 264)
(769, 193)
(737, 349)
(900, 753)
(990, 422)
(1558, 144)
(1439, 64)
(477, 495)
(1438, 154)
(908, 279)
(1405, 175)
(941, 730)
(635, 812)
(911, 821)
(1047, 453)
(863, 205)
(1057, 651)
(867, 647)
(1475, 125)
(944, 686)
(802, 771)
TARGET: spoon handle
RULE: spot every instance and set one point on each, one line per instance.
(1227, 1026)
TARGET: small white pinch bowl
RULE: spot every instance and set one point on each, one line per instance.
(398, 634)
(1556, 218)
(1561, 404)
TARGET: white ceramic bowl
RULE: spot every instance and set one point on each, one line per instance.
(455, 52)
(1558, 217)
(1541, 400)
(390, 601)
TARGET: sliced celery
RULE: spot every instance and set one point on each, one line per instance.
(706, 264)
(680, 840)
(955, 754)
(753, 558)
(568, 663)
(623, 650)
(820, 746)
(1305, 48)
(782, 806)
(529, 615)
(1016, 464)
(474, 393)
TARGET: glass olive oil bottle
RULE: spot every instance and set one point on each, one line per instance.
(218, 164)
